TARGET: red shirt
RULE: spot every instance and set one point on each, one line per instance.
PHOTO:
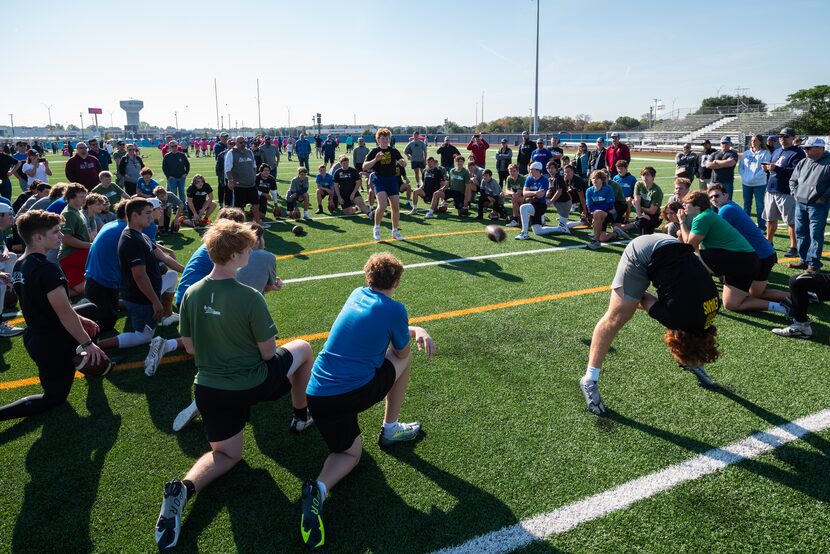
(164, 150)
(479, 151)
(83, 171)
(614, 154)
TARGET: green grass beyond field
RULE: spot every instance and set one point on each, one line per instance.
(506, 435)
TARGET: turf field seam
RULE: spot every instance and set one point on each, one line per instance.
(572, 515)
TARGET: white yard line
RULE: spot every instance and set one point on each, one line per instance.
(599, 505)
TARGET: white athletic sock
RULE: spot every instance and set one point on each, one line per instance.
(777, 308)
(429, 211)
(545, 230)
(129, 340)
(525, 212)
(170, 345)
(592, 374)
(274, 196)
(377, 227)
(323, 490)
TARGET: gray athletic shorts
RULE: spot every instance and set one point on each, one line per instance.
(632, 274)
(778, 206)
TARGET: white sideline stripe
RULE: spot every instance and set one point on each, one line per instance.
(599, 505)
(446, 262)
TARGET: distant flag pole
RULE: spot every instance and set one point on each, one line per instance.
(216, 98)
(536, 98)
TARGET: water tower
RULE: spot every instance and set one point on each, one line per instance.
(132, 107)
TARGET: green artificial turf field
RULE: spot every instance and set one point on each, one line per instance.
(506, 436)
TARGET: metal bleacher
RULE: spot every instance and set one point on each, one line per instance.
(750, 123)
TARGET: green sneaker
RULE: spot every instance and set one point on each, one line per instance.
(311, 522)
(403, 432)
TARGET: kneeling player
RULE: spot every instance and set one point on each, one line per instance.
(199, 202)
(298, 193)
(804, 288)
(345, 186)
(686, 304)
(434, 182)
(227, 327)
(490, 196)
(55, 331)
(366, 359)
(535, 205)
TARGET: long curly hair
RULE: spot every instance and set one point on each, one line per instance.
(693, 348)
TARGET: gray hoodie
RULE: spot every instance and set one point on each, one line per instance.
(810, 180)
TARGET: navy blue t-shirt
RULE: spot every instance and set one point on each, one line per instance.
(785, 162)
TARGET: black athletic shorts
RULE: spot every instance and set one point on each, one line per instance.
(539, 208)
(455, 195)
(244, 196)
(225, 412)
(347, 202)
(738, 269)
(418, 165)
(429, 192)
(358, 166)
(765, 267)
(621, 209)
(336, 416)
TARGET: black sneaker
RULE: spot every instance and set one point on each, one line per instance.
(169, 523)
(311, 521)
(319, 211)
(791, 253)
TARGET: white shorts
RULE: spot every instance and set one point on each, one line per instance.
(779, 206)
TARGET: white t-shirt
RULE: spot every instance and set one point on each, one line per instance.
(40, 173)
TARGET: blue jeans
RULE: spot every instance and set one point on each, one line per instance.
(810, 221)
(177, 186)
(140, 315)
(728, 188)
(758, 194)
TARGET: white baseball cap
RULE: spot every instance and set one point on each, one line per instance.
(155, 202)
(813, 142)
(536, 165)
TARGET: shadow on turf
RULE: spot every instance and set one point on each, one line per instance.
(478, 268)
(64, 466)
(5, 346)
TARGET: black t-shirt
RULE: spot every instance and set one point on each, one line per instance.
(199, 195)
(433, 178)
(346, 179)
(725, 174)
(448, 152)
(21, 200)
(400, 173)
(525, 152)
(386, 166)
(134, 249)
(687, 298)
(557, 182)
(265, 184)
(557, 150)
(576, 186)
(6, 163)
(33, 278)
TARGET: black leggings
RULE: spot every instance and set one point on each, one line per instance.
(52, 351)
(801, 285)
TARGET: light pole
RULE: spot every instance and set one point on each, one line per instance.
(258, 114)
(82, 125)
(49, 111)
(216, 99)
(536, 97)
(482, 106)
(176, 115)
(11, 116)
(476, 114)
(289, 118)
(529, 120)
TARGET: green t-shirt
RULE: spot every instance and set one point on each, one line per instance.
(516, 184)
(459, 179)
(226, 319)
(619, 197)
(648, 197)
(75, 225)
(718, 233)
(114, 193)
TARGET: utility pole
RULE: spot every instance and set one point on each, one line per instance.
(82, 125)
(289, 118)
(216, 99)
(11, 116)
(476, 125)
(482, 106)
(49, 110)
(176, 115)
(536, 96)
(258, 114)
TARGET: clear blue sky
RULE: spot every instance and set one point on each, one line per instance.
(399, 63)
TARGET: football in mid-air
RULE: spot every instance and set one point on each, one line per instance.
(495, 233)
(80, 361)
(297, 230)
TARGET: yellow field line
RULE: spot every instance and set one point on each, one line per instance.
(8, 385)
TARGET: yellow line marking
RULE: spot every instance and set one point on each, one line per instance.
(8, 385)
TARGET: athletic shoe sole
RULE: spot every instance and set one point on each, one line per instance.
(153, 359)
(312, 530)
(169, 523)
(184, 417)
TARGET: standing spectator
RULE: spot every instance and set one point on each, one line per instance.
(289, 147)
(753, 177)
(318, 146)
(303, 149)
(103, 155)
(597, 160)
(270, 155)
(723, 165)
(175, 166)
(21, 155)
(778, 202)
(329, 150)
(810, 185)
(83, 168)
(478, 146)
(8, 166)
(704, 174)
(219, 150)
(349, 144)
(582, 161)
(686, 163)
(525, 153)
(164, 146)
(772, 143)
(129, 169)
(617, 151)
(120, 152)
(36, 168)
(416, 152)
(541, 154)
(557, 152)
(240, 172)
(448, 152)
(504, 157)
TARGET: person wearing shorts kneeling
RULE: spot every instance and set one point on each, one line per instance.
(686, 305)
(366, 359)
(346, 180)
(434, 183)
(227, 327)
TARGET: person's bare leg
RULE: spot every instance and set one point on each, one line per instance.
(394, 399)
(437, 197)
(300, 371)
(382, 201)
(760, 289)
(167, 303)
(340, 464)
(737, 300)
(772, 227)
(791, 232)
(222, 457)
(394, 203)
(620, 311)
(599, 219)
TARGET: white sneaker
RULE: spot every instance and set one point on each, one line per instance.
(429, 215)
(522, 236)
(9, 331)
(397, 234)
(172, 319)
(376, 232)
(513, 223)
(154, 356)
(306, 216)
(797, 330)
(564, 229)
(413, 211)
(185, 417)
(595, 245)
